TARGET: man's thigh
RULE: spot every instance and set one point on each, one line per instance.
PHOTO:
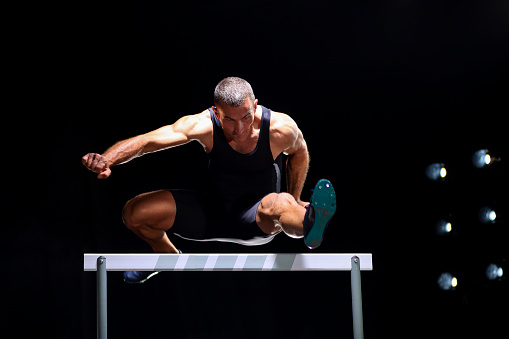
(155, 209)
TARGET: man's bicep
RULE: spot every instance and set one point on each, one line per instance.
(164, 137)
(184, 130)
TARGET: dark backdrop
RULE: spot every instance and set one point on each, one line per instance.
(380, 90)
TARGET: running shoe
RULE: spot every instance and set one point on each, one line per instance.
(318, 213)
(139, 277)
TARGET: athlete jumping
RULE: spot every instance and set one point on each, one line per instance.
(244, 142)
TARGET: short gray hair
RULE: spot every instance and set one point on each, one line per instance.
(233, 91)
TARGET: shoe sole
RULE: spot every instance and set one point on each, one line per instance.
(141, 281)
(323, 201)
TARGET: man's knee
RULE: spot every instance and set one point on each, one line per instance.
(275, 203)
(131, 213)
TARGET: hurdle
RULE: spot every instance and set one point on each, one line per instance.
(229, 262)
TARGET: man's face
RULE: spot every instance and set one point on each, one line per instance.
(237, 122)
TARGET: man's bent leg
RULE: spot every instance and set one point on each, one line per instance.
(280, 211)
(149, 216)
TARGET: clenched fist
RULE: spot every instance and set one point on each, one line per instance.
(97, 163)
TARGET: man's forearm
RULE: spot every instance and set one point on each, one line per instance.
(125, 150)
(297, 169)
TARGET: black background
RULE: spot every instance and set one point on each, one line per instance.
(380, 89)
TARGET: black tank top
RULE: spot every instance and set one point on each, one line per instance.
(240, 180)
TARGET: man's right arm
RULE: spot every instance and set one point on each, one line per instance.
(184, 130)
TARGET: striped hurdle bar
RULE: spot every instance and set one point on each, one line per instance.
(229, 262)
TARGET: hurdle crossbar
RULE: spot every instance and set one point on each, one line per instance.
(229, 262)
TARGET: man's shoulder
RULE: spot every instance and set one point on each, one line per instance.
(285, 135)
(198, 127)
(200, 120)
(202, 116)
(195, 126)
(283, 132)
(282, 123)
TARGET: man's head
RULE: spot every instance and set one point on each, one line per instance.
(235, 107)
(233, 92)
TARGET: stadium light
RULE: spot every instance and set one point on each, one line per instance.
(494, 272)
(436, 171)
(481, 158)
(444, 227)
(447, 281)
(487, 215)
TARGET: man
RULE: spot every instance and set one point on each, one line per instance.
(242, 203)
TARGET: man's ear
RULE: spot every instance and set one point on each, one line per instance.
(216, 112)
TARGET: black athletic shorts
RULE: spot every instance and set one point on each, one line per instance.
(202, 217)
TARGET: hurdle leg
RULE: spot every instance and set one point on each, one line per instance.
(102, 306)
(358, 329)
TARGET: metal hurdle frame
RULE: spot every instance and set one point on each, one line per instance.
(229, 262)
